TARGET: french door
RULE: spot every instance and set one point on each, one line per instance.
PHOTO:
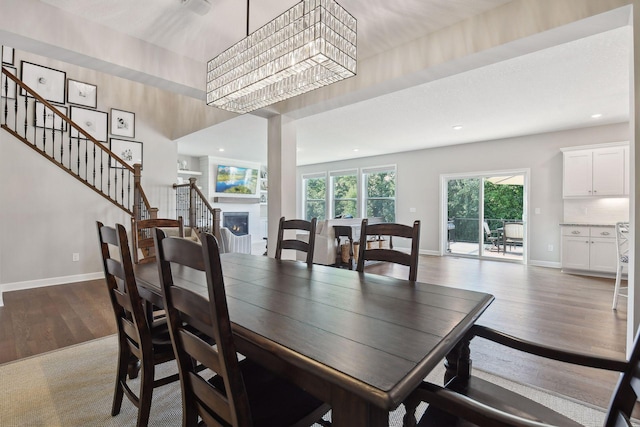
(484, 215)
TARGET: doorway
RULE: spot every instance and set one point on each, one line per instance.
(485, 215)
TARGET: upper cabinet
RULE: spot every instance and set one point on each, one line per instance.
(601, 171)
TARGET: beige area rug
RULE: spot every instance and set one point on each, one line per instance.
(74, 387)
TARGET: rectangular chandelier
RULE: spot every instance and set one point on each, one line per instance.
(311, 45)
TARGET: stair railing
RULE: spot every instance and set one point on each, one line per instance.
(67, 145)
(193, 207)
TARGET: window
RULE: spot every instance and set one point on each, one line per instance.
(315, 196)
(345, 193)
(380, 192)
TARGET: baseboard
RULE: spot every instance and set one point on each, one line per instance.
(548, 264)
(40, 283)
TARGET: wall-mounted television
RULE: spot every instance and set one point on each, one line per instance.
(236, 180)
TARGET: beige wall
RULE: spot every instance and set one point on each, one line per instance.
(46, 215)
(419, 172)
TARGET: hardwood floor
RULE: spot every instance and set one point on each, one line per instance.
(535, 303)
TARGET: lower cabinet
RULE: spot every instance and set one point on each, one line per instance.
(591, 249)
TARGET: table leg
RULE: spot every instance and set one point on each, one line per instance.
(349, 410)
(458, 362)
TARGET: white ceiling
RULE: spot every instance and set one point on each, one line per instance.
(552, 89)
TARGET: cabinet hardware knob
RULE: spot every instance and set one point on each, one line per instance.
(605, 233)
(575, 232)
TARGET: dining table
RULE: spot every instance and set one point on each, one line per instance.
(359, 341)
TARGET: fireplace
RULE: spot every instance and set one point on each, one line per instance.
(236, 222)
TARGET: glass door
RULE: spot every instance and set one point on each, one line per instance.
(485, 215)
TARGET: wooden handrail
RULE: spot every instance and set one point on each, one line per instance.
(135, 204)
(66, 119)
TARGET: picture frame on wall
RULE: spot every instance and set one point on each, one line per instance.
(129, 151)
(123, 123)
(47, 82)
(91, 121)
(7, 55)
(47, 119)
(81, 93)
(9, 87)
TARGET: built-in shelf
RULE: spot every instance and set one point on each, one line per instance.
(188, 172)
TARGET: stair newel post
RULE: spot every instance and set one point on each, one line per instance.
(137, 198)
(192, 202)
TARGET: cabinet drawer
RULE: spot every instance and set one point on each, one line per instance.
(575, 231)
(604, 232)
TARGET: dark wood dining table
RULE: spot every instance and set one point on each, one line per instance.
(359, 341)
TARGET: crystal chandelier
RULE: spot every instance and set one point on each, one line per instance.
(311, 45)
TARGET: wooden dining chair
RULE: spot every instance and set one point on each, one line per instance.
(388, 254)
(240, 393)
(141, 345)
(142, 236)
(475, 402)
(295, 244)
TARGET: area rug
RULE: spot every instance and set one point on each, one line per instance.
(74, 387)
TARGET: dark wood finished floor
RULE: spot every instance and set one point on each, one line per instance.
(540, 304)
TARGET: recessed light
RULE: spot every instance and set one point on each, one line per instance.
(457, 127)
(596, 116)
(221, 149)
(356, 149)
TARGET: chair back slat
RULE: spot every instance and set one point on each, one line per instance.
(389, 254)
(195, 324)
(295, 244)
(627, 391)
(142, 235)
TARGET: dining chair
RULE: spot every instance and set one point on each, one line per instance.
(240, 393)
(475, 402)
(389, 254)
(142, 236)
(296, 244)
(141, 345)
(622, 254)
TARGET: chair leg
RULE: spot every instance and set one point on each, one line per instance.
(121, 378)
(616, 290)
(146, 392)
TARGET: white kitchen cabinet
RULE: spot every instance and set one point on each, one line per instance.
(591, 249)
(595, 172)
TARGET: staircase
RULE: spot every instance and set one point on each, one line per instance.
(42, 127)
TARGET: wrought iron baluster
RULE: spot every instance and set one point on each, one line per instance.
(129, 191)
(109, 176)
(86, 159)
(115, 186)
(26, 108)
(78, 158)
(70, 150)
(93, 168)
(44, 132)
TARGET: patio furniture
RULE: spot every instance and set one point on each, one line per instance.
(512, 235)
(492, 237)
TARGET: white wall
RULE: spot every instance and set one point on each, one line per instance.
(46, 214)
(418, 180)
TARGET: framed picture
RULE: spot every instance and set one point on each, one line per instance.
(91, 121)
(47, 82)
(8, 85)
(7, 55)
(82, 93)
(48, 119)
(129, 151)
(123, 123)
